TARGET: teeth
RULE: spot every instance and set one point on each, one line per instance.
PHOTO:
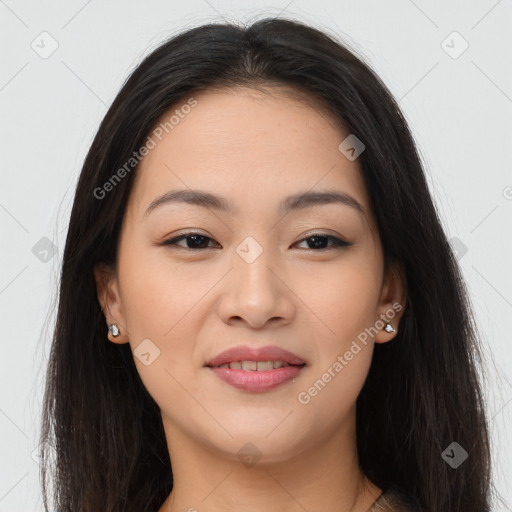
(254, 365)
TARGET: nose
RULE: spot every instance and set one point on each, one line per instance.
(257, 293)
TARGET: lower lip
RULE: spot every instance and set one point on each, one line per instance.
(257, 381)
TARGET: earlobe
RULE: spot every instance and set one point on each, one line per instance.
(110, 303)
(114, 334)
(388, 329)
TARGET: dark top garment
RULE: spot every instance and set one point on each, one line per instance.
(393, 500)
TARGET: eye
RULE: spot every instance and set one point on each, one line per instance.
(196, 241)
(319, 240)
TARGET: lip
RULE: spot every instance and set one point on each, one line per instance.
(257, 381)
(246, 353)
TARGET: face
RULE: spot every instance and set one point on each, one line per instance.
(307, 278)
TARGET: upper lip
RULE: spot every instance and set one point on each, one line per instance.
(246, 353)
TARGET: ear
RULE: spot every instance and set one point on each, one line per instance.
(110, 301)
(392, 301)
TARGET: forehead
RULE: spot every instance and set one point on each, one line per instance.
(251, 146)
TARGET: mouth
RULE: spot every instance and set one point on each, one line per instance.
(258, 369)
(256, 366)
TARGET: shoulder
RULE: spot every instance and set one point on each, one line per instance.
(393, 499)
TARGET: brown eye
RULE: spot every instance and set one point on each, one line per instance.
(319, 241)
(194, 241)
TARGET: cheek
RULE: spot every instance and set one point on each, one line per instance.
(341, 298)
(346, 313)
(157, 293)
(330, 395)
(158, 303)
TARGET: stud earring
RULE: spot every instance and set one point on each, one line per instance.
(389, 328)
(114, 330)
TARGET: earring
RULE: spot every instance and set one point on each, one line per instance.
(389, 328)
(114, 330)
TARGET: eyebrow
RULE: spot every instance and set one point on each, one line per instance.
(299, 201)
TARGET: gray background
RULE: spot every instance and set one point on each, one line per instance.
(458, 103)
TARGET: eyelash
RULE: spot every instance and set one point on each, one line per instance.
(338, 243)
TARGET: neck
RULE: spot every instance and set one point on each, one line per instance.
(325, 474)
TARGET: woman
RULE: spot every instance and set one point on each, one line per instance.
(288, 328)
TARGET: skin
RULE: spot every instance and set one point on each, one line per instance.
(254, 149)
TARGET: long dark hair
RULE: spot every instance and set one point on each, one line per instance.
(423, 390)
